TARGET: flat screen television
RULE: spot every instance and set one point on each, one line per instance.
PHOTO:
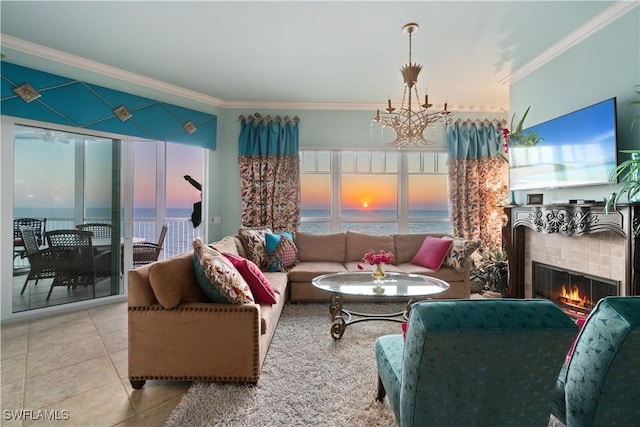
(577, 149)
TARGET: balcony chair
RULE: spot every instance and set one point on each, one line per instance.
(39, 226)
(148, 252)
(40, 263)
(99, 230)
(597, 385)
(475, 362)
(75, 261)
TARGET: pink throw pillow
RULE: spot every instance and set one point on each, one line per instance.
(432, 252)
(260, 287)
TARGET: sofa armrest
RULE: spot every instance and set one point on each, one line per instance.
(195, 341)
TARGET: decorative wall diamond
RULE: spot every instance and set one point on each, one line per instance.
(122, 113)
(26, 92)
(190, 127)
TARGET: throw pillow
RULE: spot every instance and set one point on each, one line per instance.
(173, 281)
(432, 252)
(282, 253)
(254, 244)
(217, 277)
(460, 252)
(260, 286)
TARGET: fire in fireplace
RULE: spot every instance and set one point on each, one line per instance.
(575, 293)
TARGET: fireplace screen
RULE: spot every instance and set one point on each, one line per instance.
(575, 293)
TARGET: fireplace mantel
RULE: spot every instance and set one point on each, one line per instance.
(570, 220)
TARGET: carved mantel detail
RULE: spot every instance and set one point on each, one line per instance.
(562, 221)
(571, 220)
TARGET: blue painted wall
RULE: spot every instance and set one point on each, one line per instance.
(604, 65)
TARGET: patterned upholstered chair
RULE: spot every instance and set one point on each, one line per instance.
(475, 362)
(598, 386)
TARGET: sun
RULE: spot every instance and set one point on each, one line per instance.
(365, 204)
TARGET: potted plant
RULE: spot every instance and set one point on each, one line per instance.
(492, 269)
(628, 172)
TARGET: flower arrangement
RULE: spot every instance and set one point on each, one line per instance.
(374, 258)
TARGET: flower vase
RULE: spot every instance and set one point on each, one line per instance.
(378, 271)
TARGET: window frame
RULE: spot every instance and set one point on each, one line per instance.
(403, 221)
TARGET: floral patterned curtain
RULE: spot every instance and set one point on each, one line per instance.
(269, 172)
(477, 190)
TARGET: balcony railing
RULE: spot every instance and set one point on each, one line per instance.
(179, 238)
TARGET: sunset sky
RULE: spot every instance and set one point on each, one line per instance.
(54, 185)
(375, 192)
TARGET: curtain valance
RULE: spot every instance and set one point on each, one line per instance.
(474, 139)
(70, 102)
(267, 136)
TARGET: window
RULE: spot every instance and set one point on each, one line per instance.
(377, 192)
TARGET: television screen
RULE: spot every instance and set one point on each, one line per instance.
(579, 148)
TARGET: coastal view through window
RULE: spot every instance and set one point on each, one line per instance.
(374, 192)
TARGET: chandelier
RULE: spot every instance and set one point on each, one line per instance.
(409, 124)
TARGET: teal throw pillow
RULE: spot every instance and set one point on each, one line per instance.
(282, 253)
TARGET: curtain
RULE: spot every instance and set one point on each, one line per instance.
(269, 172)
(477, 190)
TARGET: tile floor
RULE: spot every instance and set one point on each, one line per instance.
(77, 362)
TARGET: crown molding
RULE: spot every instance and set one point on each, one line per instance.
(592, 26)
(67, 59)
(84, 64)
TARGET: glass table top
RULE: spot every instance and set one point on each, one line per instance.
(393, 285)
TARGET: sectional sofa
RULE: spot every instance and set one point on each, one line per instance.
(176, 333)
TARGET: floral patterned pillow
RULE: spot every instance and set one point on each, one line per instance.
(460, 251)
(253, 241)
(217, 277)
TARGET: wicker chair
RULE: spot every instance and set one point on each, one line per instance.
(147, 252)
(99, 230)
(75, 261)
(39, 227)
(40, 263)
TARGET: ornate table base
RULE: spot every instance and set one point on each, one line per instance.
(342, 318)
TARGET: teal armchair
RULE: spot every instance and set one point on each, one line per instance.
(475, 362)
(600, 383)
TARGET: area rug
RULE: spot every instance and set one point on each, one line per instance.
(307, 379)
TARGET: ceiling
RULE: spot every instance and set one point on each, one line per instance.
(296, 53)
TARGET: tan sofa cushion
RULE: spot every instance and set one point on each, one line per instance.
(407, 245)
(320, 247)
(307, 271)
(173, 281)
(446, 274)
(228, 245)
(140, 291)
(359, 244)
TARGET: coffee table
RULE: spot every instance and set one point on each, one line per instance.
(394, 285)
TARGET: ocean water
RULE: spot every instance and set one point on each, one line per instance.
(371, 222)
(181, 232)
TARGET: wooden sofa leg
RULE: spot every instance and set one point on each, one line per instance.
(381, 391)
(137, 385)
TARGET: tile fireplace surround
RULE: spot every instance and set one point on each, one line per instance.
(576, 237)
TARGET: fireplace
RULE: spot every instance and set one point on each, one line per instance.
(575, 293)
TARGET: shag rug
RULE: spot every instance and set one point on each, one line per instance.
(307, 379)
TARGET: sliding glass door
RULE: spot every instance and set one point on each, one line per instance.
(66, 192)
